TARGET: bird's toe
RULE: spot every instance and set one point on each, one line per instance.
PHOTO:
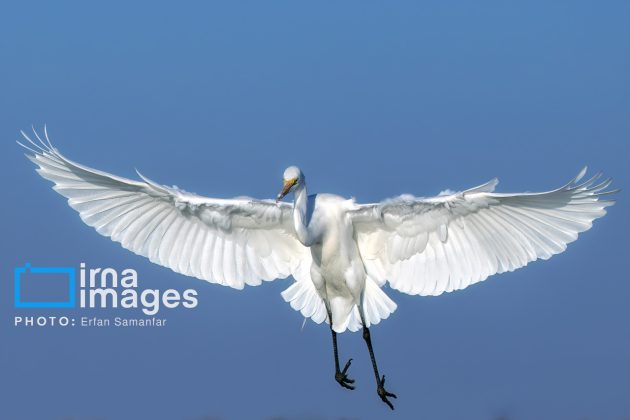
(342, 378)
(384, 394)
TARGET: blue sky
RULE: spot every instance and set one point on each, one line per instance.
(371, 99)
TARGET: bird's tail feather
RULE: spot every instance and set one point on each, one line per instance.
(303, 297)
(376, 306)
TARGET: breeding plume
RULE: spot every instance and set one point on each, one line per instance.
(340, 253)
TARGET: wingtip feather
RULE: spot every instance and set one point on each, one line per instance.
(38, 147)
(47, 138)
(38, 138)
(581, 174)
(27, 148)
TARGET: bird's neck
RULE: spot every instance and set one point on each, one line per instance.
(300, 212)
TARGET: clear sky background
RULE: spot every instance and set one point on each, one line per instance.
(371, 99)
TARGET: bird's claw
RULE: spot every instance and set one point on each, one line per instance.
(342, 377)
(384, 394)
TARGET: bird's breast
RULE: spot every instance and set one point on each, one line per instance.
(337, 251)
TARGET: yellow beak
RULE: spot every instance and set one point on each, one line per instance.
(286, 188)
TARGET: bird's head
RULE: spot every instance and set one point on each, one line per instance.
(292, 178)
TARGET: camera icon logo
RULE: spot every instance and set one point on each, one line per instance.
(51, 280)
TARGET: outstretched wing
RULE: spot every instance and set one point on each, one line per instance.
(232, 242)
(427, 246)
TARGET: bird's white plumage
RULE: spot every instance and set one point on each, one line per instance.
(428, 246)
(232, 242)
(340, 253)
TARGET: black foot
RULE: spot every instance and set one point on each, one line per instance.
(384, 394)
(343, 379)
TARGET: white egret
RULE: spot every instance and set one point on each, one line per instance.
(339, 252)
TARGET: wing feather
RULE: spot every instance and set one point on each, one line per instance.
(232, 242)
(429, 246)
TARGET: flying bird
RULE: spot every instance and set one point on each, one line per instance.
(339, 252)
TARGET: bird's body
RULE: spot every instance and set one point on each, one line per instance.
(339, 252)
(337, 270)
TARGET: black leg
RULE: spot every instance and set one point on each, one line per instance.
(340, 375)
(380, 381)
